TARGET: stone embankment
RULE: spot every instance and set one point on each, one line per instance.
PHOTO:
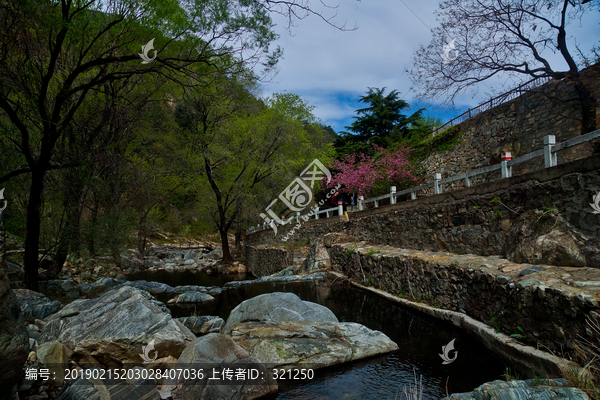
(542, 217)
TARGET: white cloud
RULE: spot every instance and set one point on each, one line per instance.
(329, 68)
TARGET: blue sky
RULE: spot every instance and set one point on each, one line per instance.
(332, 69)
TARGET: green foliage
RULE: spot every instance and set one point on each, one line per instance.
(439, 143)
(350, 251)
(372, 252)
(495, 200)
(401, 293)
(511, 375)
(519, 335)
(367, 283)
(475, 208)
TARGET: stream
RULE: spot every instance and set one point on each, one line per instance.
(420, 339)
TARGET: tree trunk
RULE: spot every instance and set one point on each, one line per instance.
(227, 258)
(91, 243)
(70, 241)
(238, 238)
(588, 106)
(142, 234)
(32, 237)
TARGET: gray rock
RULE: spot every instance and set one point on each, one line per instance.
(97, 389)
(216, 349)
(215, 254)
(538, 237)
(532, 270)
(310, 344)
(529, 389)
(527, 283)
(192, 297)
(152, 287)
(36, 305)
(276, 307)
(113, 328)
(14, 341)
(189, 262)
(190, 288)
(201, 325)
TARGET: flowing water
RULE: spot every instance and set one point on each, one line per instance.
(420, 339)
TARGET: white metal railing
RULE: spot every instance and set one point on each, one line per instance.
(548, 152)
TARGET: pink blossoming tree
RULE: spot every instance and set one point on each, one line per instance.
(368, 175)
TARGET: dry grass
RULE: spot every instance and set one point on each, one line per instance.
(410, 392)
(587, 350)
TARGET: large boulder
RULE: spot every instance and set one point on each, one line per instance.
(545, 237)
(553, 389)
(104, 389)
(310, 344)
(276, 307)
(36, 305)
(112, 329)
(14, 342)
(219, 351)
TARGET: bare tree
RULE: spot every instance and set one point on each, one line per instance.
(496, 37)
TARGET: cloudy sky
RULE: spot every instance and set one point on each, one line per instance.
(332, 69)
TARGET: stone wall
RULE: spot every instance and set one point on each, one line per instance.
(493, 218)
(518, 126)
(263, 260)
(492, 290)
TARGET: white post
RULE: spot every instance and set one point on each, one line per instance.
(549, 157)
(506, 170)
(360, 202)
(437, 177)
(468, 182)
(317, 213)
(413, 195)
(340, 208)
(297, 216)
(326, 214)
(393, 195)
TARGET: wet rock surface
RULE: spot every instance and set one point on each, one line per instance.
(310, 344)
(529, 389)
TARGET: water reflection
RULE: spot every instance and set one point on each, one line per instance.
(419, 337)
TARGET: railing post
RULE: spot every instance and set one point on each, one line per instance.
(393, 195)
(297, 217)
(340, 208)
(360, 202)
(468, 182)
(326, 214)
(316, 212)
(413, 195)
(376, 203)
(549, 156)
(437, 187)
(506, 170)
